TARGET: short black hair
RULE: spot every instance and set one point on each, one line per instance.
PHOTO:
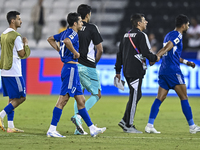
(83, 10)
(135, 18)
(180, 20)
(12, 15)
(71, 18)
(63, 23)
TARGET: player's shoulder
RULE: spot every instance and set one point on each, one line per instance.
(93, 26)
(174, 34)
(71, 32)
(141, 34)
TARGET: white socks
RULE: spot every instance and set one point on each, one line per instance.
(149, 125)
(192, 126)
(11, 124)
(52, 128)
(2, 114)
(92, 128)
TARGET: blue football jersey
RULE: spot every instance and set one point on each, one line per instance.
(65, 54)
(171, 60)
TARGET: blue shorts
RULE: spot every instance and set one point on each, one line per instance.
(13, 87)
(89, 79)
(70, 80)
(170, 81)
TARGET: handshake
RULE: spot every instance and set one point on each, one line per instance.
(152, 63)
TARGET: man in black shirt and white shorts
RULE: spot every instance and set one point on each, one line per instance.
(89, 38)
(133, 50)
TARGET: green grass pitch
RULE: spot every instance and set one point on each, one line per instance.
(34, 116)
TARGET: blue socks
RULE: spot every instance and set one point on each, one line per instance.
(9, 108)
(185, 108)
(187, 111)
(56, 116)
(88, 104)
(154, 111)
(84, 114)
(10, 116)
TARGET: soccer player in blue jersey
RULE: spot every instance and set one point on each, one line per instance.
(170, 75)
(71, 87)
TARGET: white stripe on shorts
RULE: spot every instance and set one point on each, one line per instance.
(134, 84)
(19, 84)
(71, 78)
(179, 78)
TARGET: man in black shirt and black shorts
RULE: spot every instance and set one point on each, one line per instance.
(133, 50)
(89, 38)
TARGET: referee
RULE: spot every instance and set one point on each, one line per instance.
(133, 50)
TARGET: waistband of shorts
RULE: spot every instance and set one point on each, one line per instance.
(69, 64)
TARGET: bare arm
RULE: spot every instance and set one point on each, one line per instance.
(99, 52)
(165, 49)
(69, 45)
(162, 51)
(22, 52)
(186, 62)
(53, 43)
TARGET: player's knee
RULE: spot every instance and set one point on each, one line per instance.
(161, 97)
(99, 95)
(65, 102)
(22, 99)
(184, 97)
(81, 102)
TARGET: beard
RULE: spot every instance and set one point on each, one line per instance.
(184, 32)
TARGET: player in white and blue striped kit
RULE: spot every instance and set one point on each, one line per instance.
(170, 75)
(71, 87)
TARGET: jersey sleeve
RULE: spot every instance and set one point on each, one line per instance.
(72, 38)
(145, 48)
(96, 37)
(118, 64)
(57, 37)
(174, 38)
(18, 43)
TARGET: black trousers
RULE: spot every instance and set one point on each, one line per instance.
(134, 96)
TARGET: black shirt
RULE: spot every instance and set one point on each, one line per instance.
(128, 56)
(88, 37)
